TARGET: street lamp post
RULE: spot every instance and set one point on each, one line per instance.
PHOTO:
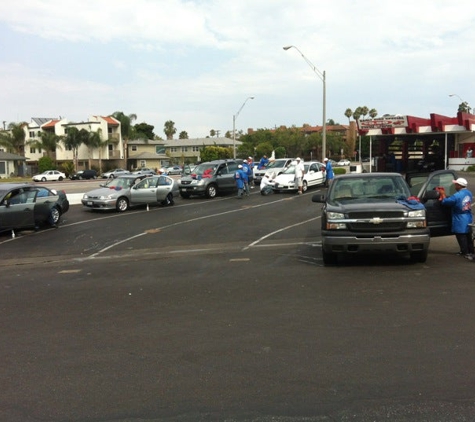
(462, 102)
(322, 76)
(234, 125)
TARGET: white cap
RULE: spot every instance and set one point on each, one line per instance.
(325, 159)
(240, 166)
(461, 181)
(297, 159)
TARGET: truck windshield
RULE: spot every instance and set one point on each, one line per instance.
(368, 187)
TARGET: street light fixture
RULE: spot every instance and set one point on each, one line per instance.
(322, 76)
(234, 125)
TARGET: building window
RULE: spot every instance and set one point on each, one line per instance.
(134, 148)
(196, 149)
(110, 147)
(32, 134)
(184, 149)
(3, 167)
(143, 163)
(160, 149)
(32, 150)
(173, 149)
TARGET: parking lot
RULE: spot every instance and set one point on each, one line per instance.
(222, 310)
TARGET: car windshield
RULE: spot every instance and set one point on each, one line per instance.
(291, 169)
(204, 169)
(276, 164)
(120, 183)
(367, 188)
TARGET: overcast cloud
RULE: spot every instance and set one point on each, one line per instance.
(196, 62)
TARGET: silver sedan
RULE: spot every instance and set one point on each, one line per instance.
(130, 191)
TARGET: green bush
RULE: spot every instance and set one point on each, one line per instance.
(470, 168)
(339, 170)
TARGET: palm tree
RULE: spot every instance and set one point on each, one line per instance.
(14, 138)
(48, 142)
(348, 114)
(95, 141)
(73, 140)
(169, 129)
(364, 111)
(183, 135)
(373, 113)
(14, 141)
(126, 128)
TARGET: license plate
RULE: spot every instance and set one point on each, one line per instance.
(89, 203)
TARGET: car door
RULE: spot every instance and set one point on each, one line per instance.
(145, 191)
(16, 211)
(439, 218)
(313, 176)
(44, 200)
(225, 176)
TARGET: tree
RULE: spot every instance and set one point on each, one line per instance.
(348, 113)
(14, 141)
(373, 113)
(48, 142)
(73, 140)
(93, 141)
(464, 107)
(14, 138)
(126, 129)
(169, 129)
(212, 133)
(183, 135)
(215, 153)
(144, 131)
(364, 111)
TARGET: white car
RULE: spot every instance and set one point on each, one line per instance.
(343, 163)
(314, 176)
(274, 168)
(49, 175)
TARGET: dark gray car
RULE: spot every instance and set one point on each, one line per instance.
(25, 206)
(210, 179)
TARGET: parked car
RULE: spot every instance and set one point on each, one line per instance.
(146, 171)
(174, 170)
(128, 191)
(210, 179)
(314, 176)
(84, 174)
(25, 206)
(343, 163)
(114, 173)
(49, 175)
(274, 168)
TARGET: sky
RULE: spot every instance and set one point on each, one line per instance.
(198, 62)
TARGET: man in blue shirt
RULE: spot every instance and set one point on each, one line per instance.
(461, 204)
(329, 172)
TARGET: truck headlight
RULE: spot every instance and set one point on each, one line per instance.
(419, 224)
(334, 225)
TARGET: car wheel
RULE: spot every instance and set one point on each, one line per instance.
(304, 186)
(54, 217)
(43, 179)
(330, 258)
(60, 179)
(211, 191)
(184, 195)
(169, 200)
(419, 256)
(122, 204)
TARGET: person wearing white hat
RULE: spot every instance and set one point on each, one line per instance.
(461, 205)
(299, 173)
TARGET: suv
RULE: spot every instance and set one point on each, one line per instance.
(275, 166)
(84, 174)
(210, 179)
(382, 212)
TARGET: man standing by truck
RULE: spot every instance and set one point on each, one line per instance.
(461, 204)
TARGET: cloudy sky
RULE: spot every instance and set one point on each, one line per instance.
(196, 62)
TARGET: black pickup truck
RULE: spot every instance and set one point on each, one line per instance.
(384, 213)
